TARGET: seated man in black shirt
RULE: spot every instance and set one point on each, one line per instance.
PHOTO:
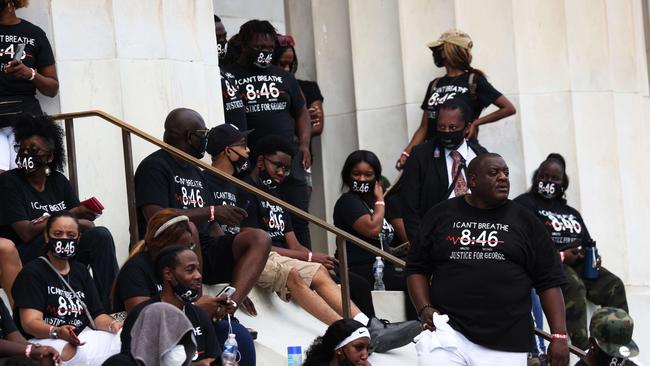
(470, 274)
(179, 271)
(164, 181)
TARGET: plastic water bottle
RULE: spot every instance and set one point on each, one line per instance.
(590, 269)
(229, 354)
(294, 355)
(378, 272)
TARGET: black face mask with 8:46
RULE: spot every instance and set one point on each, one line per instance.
(362, 187)
(63, 248)
(29, 163)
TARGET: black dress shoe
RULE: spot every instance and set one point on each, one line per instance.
(385, 336)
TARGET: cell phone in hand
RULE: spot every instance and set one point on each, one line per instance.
(20, 49)
(40, 218)
(227, 291)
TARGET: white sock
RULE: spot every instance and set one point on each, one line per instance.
(362, 318)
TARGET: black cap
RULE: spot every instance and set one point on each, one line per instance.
(223, 136)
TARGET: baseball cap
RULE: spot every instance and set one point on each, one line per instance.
(453, 36)
(223, 136)
(612, 328)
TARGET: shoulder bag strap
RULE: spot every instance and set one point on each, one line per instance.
(74, 293)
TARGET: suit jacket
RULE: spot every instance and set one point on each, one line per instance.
(424, 183)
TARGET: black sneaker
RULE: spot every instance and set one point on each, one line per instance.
(385, 336)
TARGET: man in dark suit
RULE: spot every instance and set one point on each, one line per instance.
(435, 171)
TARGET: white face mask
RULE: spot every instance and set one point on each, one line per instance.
(175, 356)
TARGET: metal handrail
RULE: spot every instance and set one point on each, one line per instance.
(128, 129)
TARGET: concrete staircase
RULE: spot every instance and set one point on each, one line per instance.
(281, 324)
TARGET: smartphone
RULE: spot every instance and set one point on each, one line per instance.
(20, 49)
(228, 291)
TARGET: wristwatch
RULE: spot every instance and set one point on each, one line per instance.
(53, 334)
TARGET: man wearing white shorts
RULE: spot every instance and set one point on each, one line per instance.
(470, 273)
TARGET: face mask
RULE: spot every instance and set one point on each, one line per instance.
(262, 59)
(362, 187)
(241, 165)
(437, 57)
(28, 163)
(221, 49)
(450, 140)
(202, 142)
(175, 356)
(63, 248)
(185, 293)
(267, 181)
(549, 190)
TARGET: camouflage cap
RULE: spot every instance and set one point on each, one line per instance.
(612, 328)
(453, 36)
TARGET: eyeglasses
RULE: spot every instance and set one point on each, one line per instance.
(199, 133)
(279, 166)
(240, 143)
(32, 149)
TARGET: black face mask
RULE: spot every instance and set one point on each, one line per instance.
(438, 60)
(241, 165)
(261, 59)
(198, 144)
(549, 190)
(267, 181)
(63, 248)
(29, 163)
(362, 187)
(185, 293)
(221, 49)
(450, 140)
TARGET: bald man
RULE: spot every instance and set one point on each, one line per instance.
(470, 274)
(164, 181)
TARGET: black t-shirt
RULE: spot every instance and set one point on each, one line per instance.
(562, 221)
(457, 87)
(38, 53)
(311, 91)
(266, 216)
(224, 193)
(136, 278)
(163, 181)
(38, 287)
(206, 340)
(20, 201)
(234, 110)
(348, 209)
(271, 97)
(484, 263)
(7, 325)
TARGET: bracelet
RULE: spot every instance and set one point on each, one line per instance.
(380, 203)
(558, 336)
(562, 257)
(33, 75)
(111, 325)
(211, 213)
(28, 350)
(309, 256)
(53, 334)
(424, 308)
(406, 154)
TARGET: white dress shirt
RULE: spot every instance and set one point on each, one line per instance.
(467, 154)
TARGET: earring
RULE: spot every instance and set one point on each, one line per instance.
(48, 171)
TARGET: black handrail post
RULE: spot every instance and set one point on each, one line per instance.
(72, 154)
(130, 185)
(344, 276)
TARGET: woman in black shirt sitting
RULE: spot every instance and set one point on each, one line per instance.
(546, 199)
(57, 303)
(36, 189)
(362, 212)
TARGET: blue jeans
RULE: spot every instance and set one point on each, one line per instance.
(244, 340)
(538, 318)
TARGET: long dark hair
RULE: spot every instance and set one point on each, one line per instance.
(322, 349)
(355, 158)
(557, 159)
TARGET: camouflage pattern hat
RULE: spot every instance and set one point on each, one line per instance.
(612, 328)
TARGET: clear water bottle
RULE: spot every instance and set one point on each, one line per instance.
(229, 354)
(294, 356)
(378, 272)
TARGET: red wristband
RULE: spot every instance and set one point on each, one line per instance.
(558, 336)
(309, 256)
(211, 213)
(28, 350)
(562, 257)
